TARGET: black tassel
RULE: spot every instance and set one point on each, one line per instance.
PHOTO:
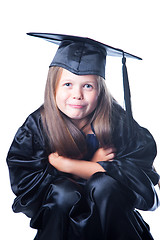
(127, 95)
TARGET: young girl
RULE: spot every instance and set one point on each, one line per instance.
(80, 164)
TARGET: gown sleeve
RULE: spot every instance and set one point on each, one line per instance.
(29, 169)
(133, 163)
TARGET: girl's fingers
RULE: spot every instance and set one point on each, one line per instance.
(109, 150)
(110, 156)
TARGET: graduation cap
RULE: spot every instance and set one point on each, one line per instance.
(85, 56)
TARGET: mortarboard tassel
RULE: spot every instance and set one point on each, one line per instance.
(127, 96)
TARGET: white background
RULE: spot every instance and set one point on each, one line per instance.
(130, 25)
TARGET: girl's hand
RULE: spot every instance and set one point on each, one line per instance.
(102, 154)
(57, 161)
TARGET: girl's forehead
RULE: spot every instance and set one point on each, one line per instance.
(67, 75)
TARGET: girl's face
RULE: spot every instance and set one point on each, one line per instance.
(76, 96)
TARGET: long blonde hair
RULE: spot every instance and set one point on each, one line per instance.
(62, 135)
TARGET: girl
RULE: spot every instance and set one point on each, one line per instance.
(80, 164)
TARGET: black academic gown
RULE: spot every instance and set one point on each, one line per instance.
(103, 207)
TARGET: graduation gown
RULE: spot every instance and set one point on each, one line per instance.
(102, 207)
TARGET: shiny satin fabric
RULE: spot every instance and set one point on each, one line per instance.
(100, 208)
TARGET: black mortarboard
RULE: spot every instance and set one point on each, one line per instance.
(85, 56)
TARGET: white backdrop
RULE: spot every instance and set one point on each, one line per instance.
(130, 25)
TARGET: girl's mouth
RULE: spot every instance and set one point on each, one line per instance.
(76, 106)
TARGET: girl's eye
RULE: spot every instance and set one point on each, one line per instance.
(67, 84)
(88, 86)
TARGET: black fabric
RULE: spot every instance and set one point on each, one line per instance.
(59, 38)
(81, 56)
(127, 96)
(100, 208)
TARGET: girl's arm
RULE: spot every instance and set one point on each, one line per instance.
(81, 168)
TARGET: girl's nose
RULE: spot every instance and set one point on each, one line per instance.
(77, 94)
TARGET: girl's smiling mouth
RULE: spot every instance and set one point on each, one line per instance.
(76, 106)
